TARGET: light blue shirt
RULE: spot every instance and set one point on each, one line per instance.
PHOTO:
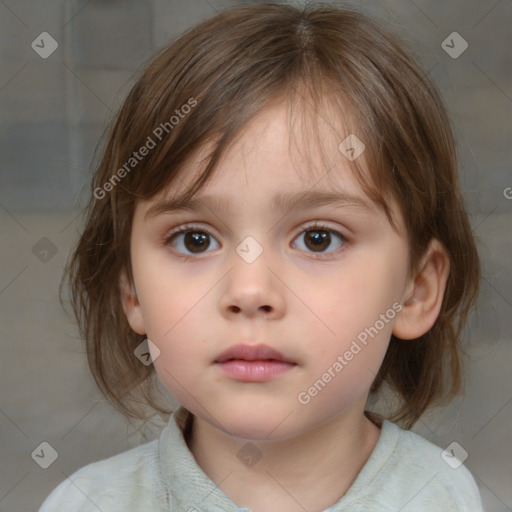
(403, 473)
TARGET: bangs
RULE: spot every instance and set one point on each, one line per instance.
(312, 109)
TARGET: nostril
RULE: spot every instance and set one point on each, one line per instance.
(236, 309)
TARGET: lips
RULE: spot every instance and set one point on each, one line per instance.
(253, 363)
(252, 353)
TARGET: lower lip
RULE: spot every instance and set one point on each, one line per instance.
(255, 371)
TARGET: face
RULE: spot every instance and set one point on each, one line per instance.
(319, 282)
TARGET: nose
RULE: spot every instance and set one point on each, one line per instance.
(253, 290)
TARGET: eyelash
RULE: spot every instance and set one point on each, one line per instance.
(187, 228)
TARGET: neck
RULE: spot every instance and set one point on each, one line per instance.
(314, 469)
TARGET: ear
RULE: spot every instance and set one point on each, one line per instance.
(425, 294)
(131, 305)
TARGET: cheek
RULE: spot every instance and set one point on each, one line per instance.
(183, 350)
(169, 298)
(347, 304)
(176, 326)
(177, 311)
(353, 321)
(345, 371)
(185, 356)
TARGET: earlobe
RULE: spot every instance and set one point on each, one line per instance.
(131, 305)
(423, 303)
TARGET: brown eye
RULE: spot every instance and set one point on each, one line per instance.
(319, 239)
(191, 241)
(196, 241)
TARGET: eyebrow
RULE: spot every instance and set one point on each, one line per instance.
(281, 202)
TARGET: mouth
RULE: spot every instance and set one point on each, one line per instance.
(253, 363)
(252, 353)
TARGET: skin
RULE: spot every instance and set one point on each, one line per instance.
(305, 304)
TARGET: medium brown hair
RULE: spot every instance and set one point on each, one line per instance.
(231, 67)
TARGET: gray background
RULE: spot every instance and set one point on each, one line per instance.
(52, 114)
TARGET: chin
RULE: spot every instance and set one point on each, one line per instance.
(258, 425)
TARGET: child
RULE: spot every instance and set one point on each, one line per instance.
(277, 225)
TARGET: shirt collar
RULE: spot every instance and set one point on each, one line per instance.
(189, 488)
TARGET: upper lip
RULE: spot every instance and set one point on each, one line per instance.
(251, 353)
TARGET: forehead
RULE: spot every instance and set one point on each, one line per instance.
(279, 150)
(279, 162)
